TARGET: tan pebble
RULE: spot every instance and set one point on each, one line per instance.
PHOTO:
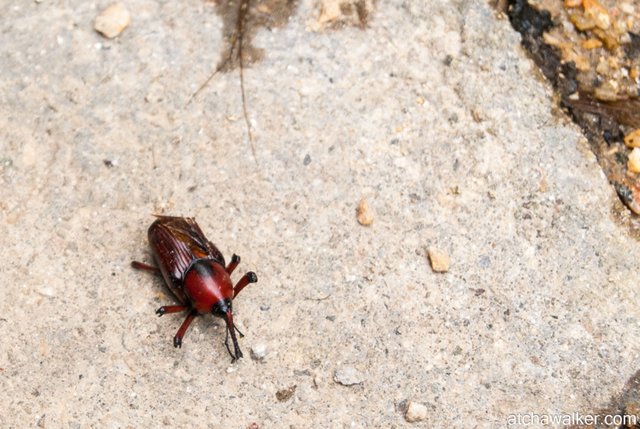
(554, 40)
(608, 91)
(440, 260)
(263, 8)
(581, 22)
(329, 11)
(572, 3)
(633, 138)
(363, 213)
(627, 8)
(415, 412)
(333, 13)
(591, 44)
(113, 20)
(595, 11)
(582, 62)
(609, 39)
(633, 164)
(603, 66)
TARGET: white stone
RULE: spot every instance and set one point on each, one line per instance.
(348, 376)
(258, 351)
(415, 412)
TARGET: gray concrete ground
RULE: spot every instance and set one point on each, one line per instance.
(433, 114)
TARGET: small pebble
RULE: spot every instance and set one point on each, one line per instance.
(113, 20)
(591, 43)
(633, 164)
(627, 8)
(594, 11)
(348, 376)
(286, 394)
(440, 260)
(415, 412)
(47, 291)
(258, 351)
(633, 139)
(335, 13)
(363, 213)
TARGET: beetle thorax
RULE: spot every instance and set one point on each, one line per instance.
(206, 283)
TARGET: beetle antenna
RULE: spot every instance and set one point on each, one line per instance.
(231, 329)
(226, 341)
(238, 331)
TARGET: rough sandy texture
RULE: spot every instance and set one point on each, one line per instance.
(433, 114)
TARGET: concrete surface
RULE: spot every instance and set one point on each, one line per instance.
(433, 114)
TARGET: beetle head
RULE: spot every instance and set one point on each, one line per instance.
(221, 307)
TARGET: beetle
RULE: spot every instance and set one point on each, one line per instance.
(195, 271)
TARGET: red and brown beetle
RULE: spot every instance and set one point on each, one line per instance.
(195, 271)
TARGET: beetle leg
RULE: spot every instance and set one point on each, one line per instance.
(177, 340)
(235, 260)
(250, 277)
(171, 309)
(140, 266)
